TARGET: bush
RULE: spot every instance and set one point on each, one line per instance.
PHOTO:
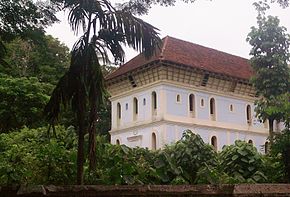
(30, 157)
(189, 154)
(242, 162)
(280, 150)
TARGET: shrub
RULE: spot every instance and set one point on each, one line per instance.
(280, 150)
(29, 157)
(242, 162)
(190, 154)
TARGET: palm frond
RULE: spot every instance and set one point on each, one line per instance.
(137, 34)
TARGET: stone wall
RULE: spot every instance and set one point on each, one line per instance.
(241, 190)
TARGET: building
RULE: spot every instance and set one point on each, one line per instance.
(184, 86)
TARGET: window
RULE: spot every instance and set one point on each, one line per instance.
(154, 103)
(213, 142)
(202, 103)
(231, 108)
(118, 142)
(154, 140)
(127, 106)
(118, 113)
(144, 101)
(212, 109)
(250, 141)
(119, 110)
(178, 98)
(192, 105)
(249, 116)
(135, 108)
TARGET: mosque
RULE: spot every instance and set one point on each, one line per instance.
(184, 86)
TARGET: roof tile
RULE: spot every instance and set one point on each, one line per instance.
(193, 55)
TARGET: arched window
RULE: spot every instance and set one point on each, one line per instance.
(250, 141)
(191, 105)
(154, 140)
(135, 108)
(178, 98)
(144, 101)
(212, 109)
(154, 103)
(118, 113)
(266, 147)
(118, 142)
(213, 142)
(248, 114)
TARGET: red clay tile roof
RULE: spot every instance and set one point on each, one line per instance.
(194, 55)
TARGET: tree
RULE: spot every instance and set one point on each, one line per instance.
(270, 51)
(21, 102)
(47, 61)
(25, 19)
(104, 29)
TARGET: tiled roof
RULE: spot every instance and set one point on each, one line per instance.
(193, 55)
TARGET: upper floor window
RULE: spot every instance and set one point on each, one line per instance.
(248, 114)
(118, 113)
(118, 110)
(127, 106)
(135, 108)
(154, 102)
(212, 109)
(192, 104)
(144, 101)
(178, 98)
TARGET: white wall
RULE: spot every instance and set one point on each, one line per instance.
(173, 118)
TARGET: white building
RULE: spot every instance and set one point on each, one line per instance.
(184, 86)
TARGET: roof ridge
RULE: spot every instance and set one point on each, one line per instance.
(163, 47)
(205, 47)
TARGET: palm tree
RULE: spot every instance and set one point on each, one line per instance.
(104, 29)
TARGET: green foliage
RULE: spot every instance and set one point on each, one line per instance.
(190, 154)
(24, 18)
(242, 162)
(47, 61)
(29, 157)
(281, 151)
(270, 51)
(22, 101)
(118, 164)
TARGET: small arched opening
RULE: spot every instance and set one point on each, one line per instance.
(154, 141)
(213, 142)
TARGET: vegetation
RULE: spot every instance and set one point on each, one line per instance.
(33, 65)
(29, 156)
(270, 63)
(105, 29)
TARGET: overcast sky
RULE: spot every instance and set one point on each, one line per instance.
(218, 24)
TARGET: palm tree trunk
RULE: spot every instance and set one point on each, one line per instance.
(271, 131)
(92, 132)
(81, 129)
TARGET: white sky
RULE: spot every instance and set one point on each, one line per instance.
(218, 24)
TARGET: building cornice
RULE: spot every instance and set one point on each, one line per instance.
(184, 86)
(186, 121)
